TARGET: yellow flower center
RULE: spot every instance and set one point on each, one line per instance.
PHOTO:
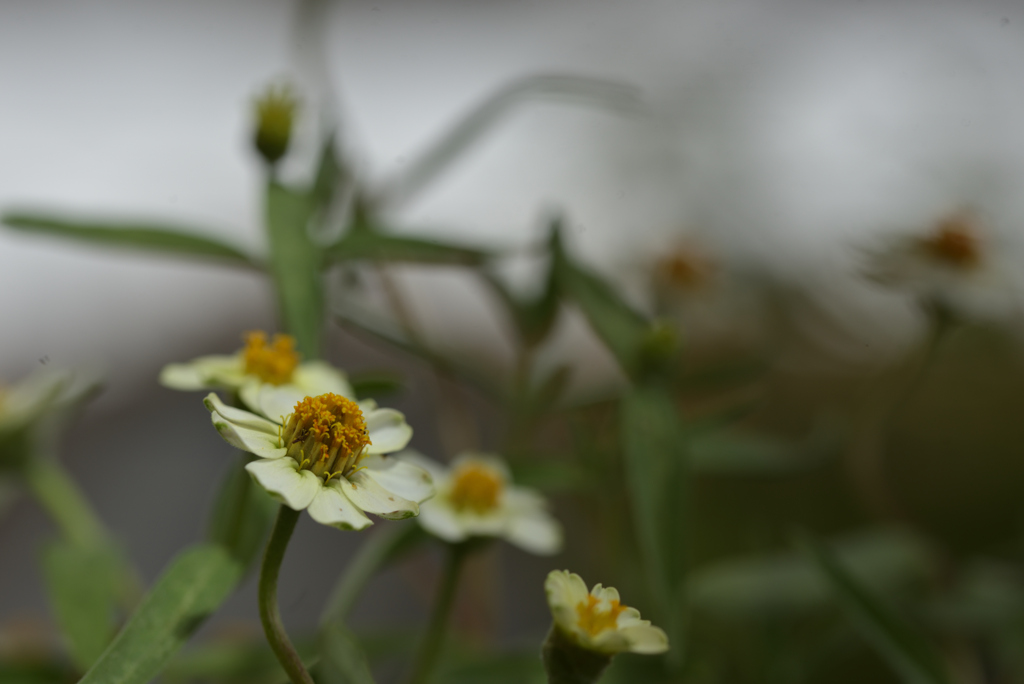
(273, 363)
(326, 434)
(476, 487)
(594, 621)
(685, 270)
(955, 242)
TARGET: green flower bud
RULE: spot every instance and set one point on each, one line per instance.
(275, 113)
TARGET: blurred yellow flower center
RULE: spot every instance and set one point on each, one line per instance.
(326, 434)
(955, 243)
(594, 621)
(273, 363)
(685, 270)
(475, 487)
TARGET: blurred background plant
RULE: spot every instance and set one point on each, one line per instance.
(750, 320)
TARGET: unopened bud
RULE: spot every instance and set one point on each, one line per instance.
(275, 113)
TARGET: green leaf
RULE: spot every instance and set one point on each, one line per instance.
(912, 656)
(787, 584)
(342, 659)
(375, 384)
(743, 452)
(378, 246)
(193, 586)
(295, 265)
(35, 672)
(83, 586)
(619, 326)
(242, 514)
(150, 237)
(656, 479)
(482, 117)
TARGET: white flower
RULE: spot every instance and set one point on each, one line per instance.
(952, 267)
(326, 454)
(475, 498)
(596, 620)
(258, 363)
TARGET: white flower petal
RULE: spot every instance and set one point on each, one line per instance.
(369, 496)
(203, 373)
(331, 507)
(285, 482)
(276, 402)
(609, 641)
(491, 524)
(607, 594)
(565, 590)
(399, 476)
(440, 521)
(238, 416)
(645, 638)
(318, 377)
(538, 533)
(246, 439)
(367, 405)
(438, 472)
(388, 431)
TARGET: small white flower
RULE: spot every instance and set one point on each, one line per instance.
(259, 363)
(326, 454)
(596, 620)
(953, 266)
(476, 498)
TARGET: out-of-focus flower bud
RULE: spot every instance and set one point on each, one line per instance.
(275, 113)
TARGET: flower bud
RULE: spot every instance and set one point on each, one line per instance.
(275, 113)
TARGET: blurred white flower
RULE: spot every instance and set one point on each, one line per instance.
(954, 267)
(597, 620)
(476, 498)
(327, 454)
(258, 363)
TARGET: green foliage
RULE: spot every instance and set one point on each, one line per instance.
(378, 246)
(904, 648)
(192, 587)
(342, 658)
(149, 237)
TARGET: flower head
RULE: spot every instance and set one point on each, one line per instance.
(326, 453)
(953, 266)
(262, 361)
(476, 498)
(596, 620)
(275, 113)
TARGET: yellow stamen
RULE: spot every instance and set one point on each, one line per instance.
(476, 487)
(326, 434)
(955, 242)
(592, 621)
(273, 363)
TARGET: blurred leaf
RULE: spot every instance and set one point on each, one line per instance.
(242, 514)
(342, 659)
(621, 328)
(381, 547)
(83, 587)
(908, 652)
(742, 452)
(330, 174)
(551, 476)
(144, 236)
(378, 246)
(245, 662)
(655, 476)
(765, 587)
(295, 265)
(193, 586)
(987, 598)
(31, 672)
(482, 117)
(375, 384)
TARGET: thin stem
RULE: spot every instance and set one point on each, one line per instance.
(57, 492)
(433, 639)
(269, 614)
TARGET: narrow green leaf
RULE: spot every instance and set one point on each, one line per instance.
(242, 514)
(295, 265)
(150, 237)
(656, 478)
(621, 328)
(192, 587)
(913, 658)
(342, 659)
(83, 586)
(482, 117)
(375, 384)
(379, 246)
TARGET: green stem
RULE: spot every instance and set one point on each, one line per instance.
(269, 614)
(433, 639)
(60, 496)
